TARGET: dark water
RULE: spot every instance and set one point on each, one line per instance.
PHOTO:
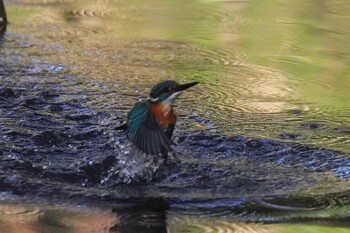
(264, 138)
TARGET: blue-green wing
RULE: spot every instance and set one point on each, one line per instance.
(144, 131)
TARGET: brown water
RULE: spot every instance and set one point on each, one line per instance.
(269, 70)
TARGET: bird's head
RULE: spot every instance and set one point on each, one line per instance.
(167, 91)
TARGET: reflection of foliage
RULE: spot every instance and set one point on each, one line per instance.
(308, 39)
(332, 219)
(189, 21)
(18, 16)
(39, 218)
(310, 229)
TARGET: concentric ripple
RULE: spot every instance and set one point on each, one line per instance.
(262, 139)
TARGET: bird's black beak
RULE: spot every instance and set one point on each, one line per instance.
(185, 86)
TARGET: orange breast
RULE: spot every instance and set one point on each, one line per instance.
(164, 115)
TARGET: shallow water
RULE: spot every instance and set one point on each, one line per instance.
(264, 138)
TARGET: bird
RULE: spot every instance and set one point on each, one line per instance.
(150, 123)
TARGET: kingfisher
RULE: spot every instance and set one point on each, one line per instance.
(151, 123)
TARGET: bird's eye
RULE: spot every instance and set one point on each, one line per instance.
(170, 89)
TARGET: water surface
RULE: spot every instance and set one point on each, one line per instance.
(264, 138)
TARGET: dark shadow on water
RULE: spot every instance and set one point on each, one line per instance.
(150, 217)
(3, 18)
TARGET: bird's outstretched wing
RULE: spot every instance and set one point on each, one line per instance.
(144, 131)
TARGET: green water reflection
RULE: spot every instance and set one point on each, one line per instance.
(266, 67)
(308, 41)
